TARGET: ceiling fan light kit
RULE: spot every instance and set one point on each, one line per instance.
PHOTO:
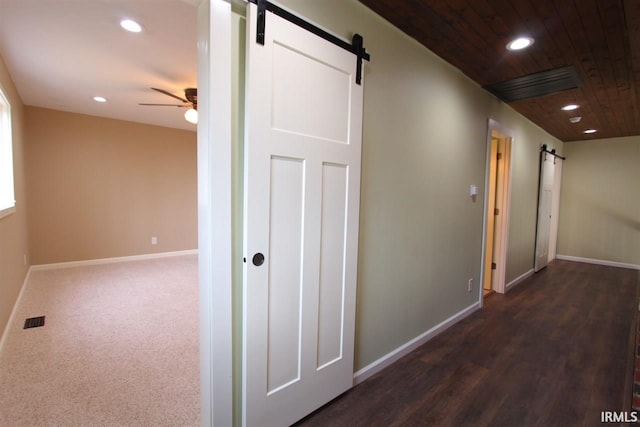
(189, 101)
(191, 116)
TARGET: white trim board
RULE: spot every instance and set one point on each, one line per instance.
(518, 280)
(408, 347)
(599, 262)
(12, 316)
(215, 220)
(99, 261)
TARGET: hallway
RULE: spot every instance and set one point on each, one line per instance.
(552, 352)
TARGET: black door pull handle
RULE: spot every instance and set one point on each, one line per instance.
(258, 259)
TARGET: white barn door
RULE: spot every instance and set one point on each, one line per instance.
(544, 210)
(302, 192)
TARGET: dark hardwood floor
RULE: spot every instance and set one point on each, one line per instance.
(554, 351)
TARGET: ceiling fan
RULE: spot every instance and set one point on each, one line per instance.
(189, 101)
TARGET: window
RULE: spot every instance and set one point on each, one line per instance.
(7, 198)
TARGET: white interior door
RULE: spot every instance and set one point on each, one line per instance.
(544, 211)
(489, 253)
(498, 268)
(503, 194)
(555, 210)
(302, 191)
(497, 206)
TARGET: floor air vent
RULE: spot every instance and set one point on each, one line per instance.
(34, 322)
(537, 84)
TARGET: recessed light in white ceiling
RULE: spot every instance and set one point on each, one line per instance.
(131, 25)
(520, 43)
(570, 107)
(590, 131)
(99, 99)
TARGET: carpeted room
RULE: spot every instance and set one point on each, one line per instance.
(118, 337)
(94, 186)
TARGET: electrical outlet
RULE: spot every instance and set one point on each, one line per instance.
(470, 287)
(154, 240)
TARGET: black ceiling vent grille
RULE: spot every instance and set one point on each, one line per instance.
(537, 84)
(34, 322)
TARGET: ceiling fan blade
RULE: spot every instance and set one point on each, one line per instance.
(169, 94)
(166, 105)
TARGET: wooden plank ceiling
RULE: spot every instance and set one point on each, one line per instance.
(599, 38)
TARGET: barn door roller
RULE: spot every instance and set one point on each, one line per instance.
(357, 43)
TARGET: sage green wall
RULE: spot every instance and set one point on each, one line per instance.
(600, 202)
(424, 144)
(14, 244)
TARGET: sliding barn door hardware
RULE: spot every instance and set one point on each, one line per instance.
(544, 149)
(357, 43)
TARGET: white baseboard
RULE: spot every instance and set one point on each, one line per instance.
(599, 262)
(12, 316)
(77, 264)
(59, 265)
(407, 348)
(518, 280)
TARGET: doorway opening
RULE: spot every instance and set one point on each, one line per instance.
(497, 196)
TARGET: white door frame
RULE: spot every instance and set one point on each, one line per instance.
(214, 212)
(501, 259)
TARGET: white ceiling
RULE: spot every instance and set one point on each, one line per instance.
(62, 53)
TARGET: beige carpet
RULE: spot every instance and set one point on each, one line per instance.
(119, 347)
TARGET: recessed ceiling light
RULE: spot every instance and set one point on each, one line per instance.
(575, 119)
(590, 131)
(520, 43)
(570, 107)
(131, 25)
(99, 99)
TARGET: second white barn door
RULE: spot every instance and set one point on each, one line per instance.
(544, 210)
(302, 191)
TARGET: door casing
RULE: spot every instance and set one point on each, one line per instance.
(503, 196)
